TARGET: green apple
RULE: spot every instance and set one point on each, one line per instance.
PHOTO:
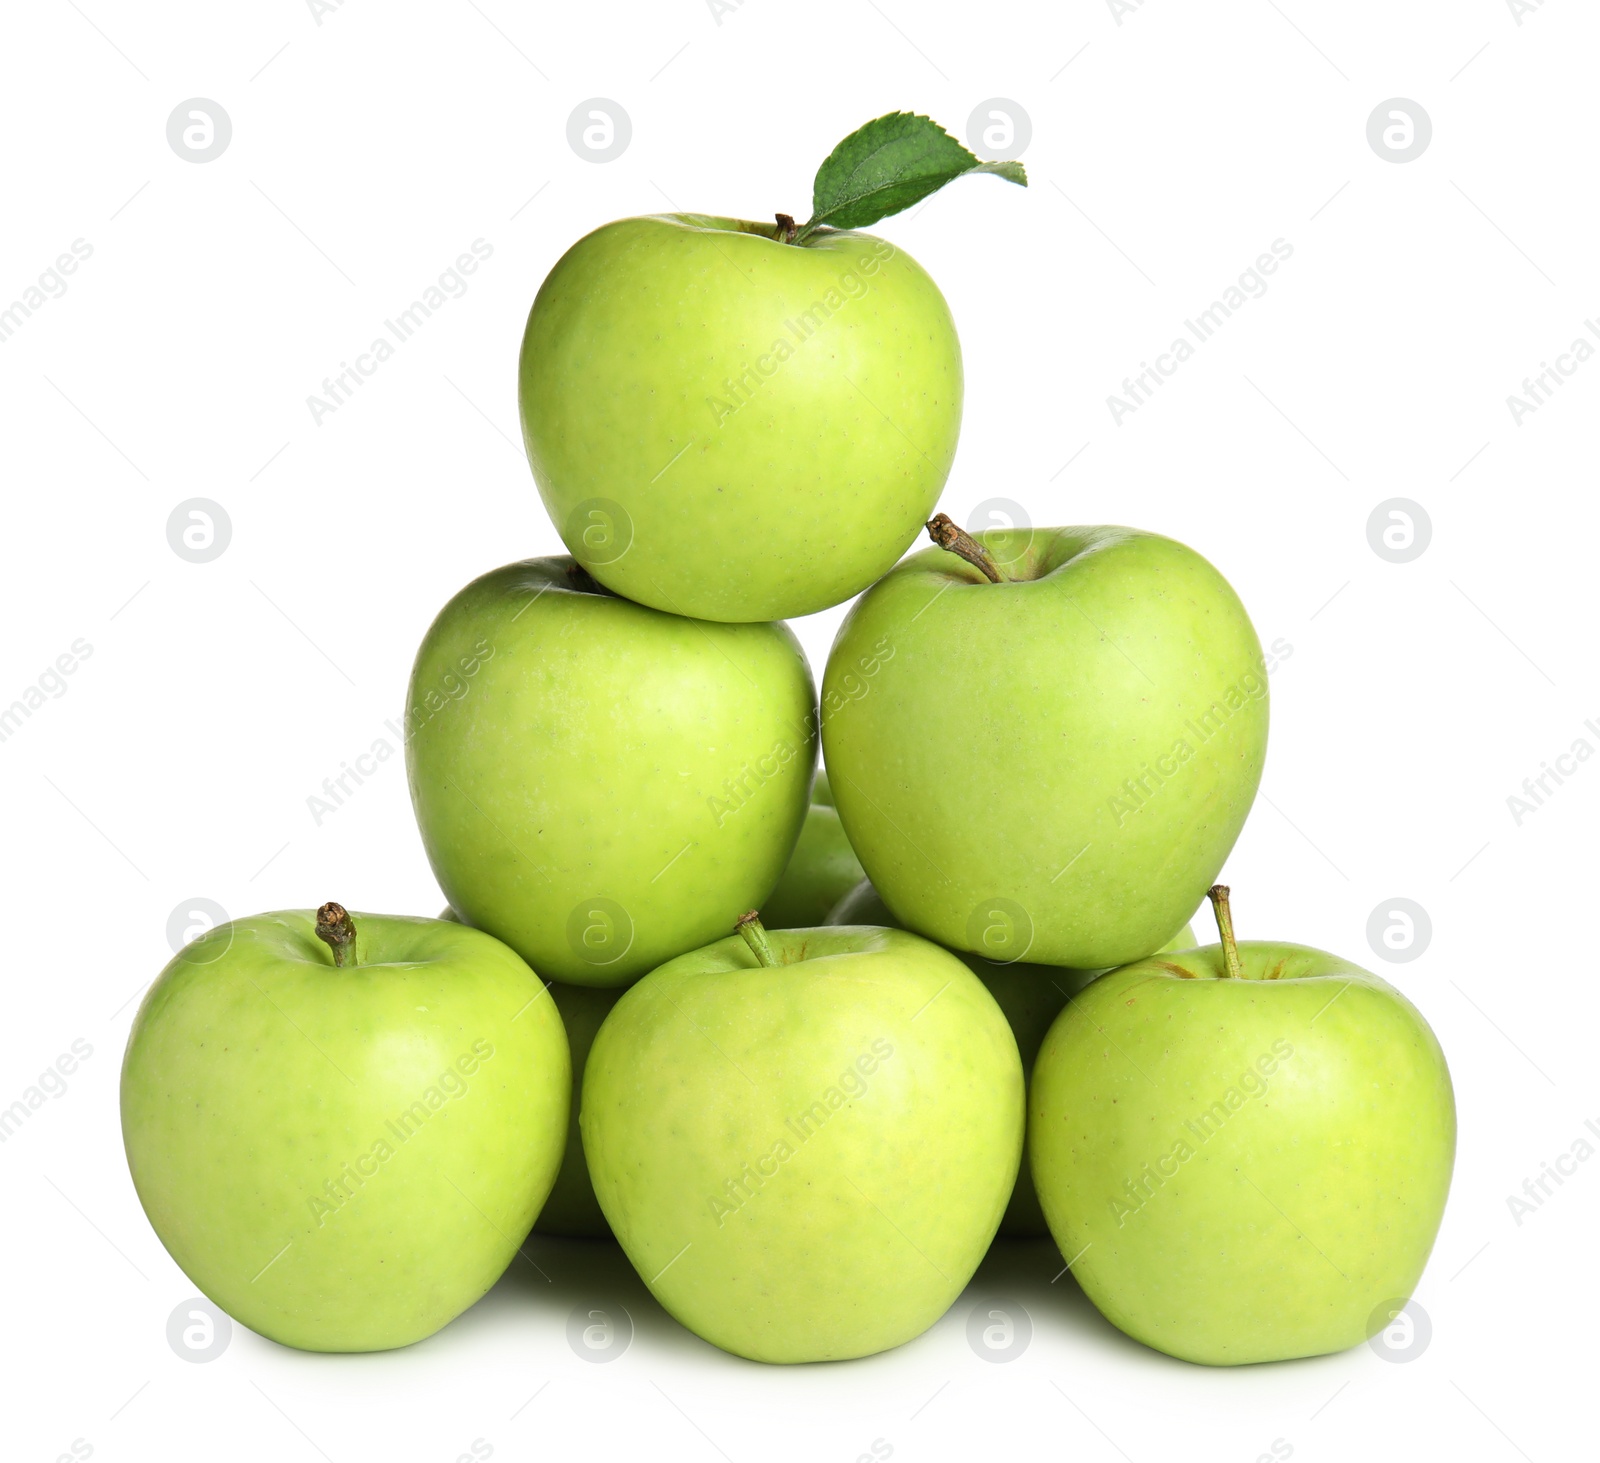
(749, 421)
(572, 1208)
(598, 784)
(1043, 743)
(822, 869)
(1244, 1151)
(343, 1144)
(863, 905)
(804, 1144)
(1031, 997)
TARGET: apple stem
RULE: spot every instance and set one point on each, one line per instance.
(1218, 895)
(755, 936)
(338, 932)
(787, 228)
(954, 539)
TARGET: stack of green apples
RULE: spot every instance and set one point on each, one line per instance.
(803, 1044)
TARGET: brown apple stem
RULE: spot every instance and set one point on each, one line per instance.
(1218, 895)
(755, 936)
(338, 932)
(787, 228)
(954, 539)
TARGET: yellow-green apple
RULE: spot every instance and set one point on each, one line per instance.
(342, 1126)
(1031, 996)
(572, 1208)
(748, 421)
(1243, 1150)
(599, 784)
(804, 1143)
(821, 871)
(1059, 745)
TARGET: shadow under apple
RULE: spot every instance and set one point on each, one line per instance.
(560, 1277)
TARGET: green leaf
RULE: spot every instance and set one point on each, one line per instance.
(887, 166)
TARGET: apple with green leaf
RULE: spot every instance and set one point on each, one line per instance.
(749, 421)
(1060, 743)
(1243, 1150)
(804, 1139)
(341, 1126)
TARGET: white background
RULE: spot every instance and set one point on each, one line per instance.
(1168, 151)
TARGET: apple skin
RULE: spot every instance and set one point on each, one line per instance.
(260, 1081)
(1320, 1122)
(598, 784)
(1031, 997)
(993, 746)
(822, 869)
(572, 1209)
(772, 448)
(863, 1233)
